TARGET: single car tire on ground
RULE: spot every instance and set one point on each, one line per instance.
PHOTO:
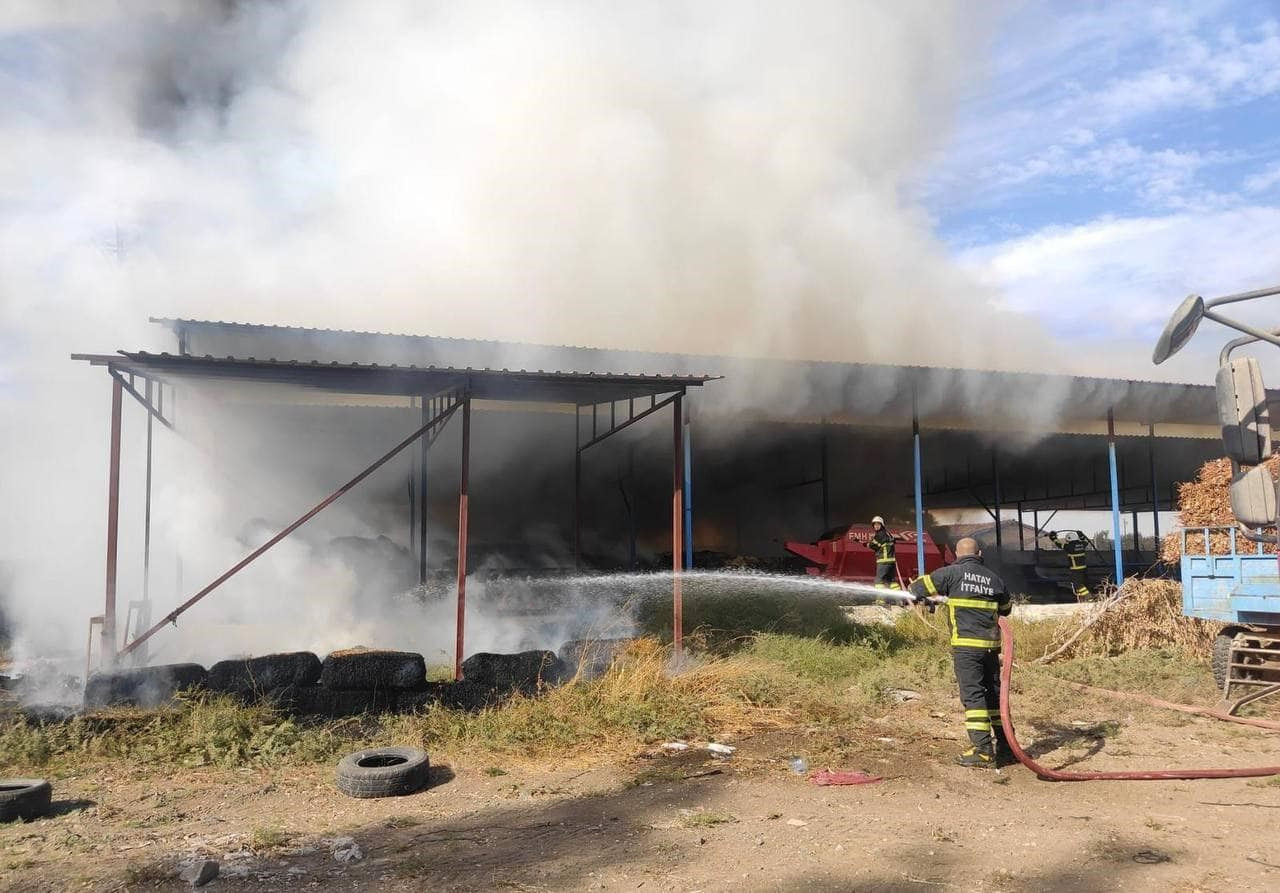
(24, 798)
(383, 772)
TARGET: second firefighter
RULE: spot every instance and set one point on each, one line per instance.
(882, 544)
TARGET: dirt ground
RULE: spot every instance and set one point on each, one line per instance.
(690, 821)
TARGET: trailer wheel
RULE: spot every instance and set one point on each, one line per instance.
(24, 798)
(1222, 656)
(383, 772)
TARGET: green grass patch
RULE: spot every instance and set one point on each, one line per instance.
(706, 819)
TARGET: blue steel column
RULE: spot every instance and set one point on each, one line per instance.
(915, 433)
(688, 492)
(1115, 498)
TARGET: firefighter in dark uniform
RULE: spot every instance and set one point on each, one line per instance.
(882, 544)
(976, 597)
(1076, 550)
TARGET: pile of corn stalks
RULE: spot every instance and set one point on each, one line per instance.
(1206, 502)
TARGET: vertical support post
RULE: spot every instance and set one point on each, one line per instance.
(113, 526)
(144, 615)
(688, 491)
(1022, 539)
(995, 477)
(1155, 490)
(423, 445)
(577, 487)
(918, 483)
(631, 515)
(826, 490)
(1137, 540)
(1115, 497)
(677, 513)
(462, 537)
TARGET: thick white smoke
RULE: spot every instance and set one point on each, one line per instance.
(711, 177)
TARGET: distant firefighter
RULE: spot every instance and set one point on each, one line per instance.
(882, 543)
(1076, 550)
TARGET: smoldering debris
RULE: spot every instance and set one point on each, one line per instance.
(266, 673)
(142, 686)
(363, 669)
(591, 658)
(526, 672)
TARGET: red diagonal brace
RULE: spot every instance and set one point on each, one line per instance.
(172, 616)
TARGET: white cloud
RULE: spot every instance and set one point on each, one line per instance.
(1267, 178)
(1086, 92)
(1119, 278)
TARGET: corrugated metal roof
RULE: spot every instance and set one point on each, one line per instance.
(974, 399)
(175, 322)
(373, 378)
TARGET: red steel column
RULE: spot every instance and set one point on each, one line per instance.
(462, 537)
(113, 527)
(677, 526)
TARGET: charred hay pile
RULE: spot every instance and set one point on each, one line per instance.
(353, 681)
(1206, 502)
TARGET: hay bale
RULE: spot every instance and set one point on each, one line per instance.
(524, 672)
(465, 695)
(141, 686)
(591, 658)
(263, 674)
(1206, 502)
(373, 671)
(317, 700)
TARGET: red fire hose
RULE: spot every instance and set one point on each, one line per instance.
(1006, 674)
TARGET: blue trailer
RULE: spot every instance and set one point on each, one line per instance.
(1239, 588)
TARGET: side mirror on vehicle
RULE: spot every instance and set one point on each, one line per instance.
(1243, 411)
(1253, 497)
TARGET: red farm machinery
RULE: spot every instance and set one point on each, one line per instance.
(843, 554)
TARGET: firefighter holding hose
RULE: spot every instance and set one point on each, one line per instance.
(1076, 550)
(882, 544)
(975, 597)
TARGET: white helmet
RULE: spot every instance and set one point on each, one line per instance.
(878, 520)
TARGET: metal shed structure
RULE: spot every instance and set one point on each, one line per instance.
(1110, 444)
(440, 391)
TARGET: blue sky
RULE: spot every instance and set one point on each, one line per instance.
(1118, 149)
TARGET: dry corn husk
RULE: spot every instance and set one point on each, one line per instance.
(1141, 614)
(1206, 502)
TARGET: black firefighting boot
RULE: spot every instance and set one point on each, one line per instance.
(977, 758)
(1004, 753)
(981, 752)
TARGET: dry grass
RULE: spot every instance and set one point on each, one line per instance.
(1142, 615)
(637, 702)
(834, 680)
